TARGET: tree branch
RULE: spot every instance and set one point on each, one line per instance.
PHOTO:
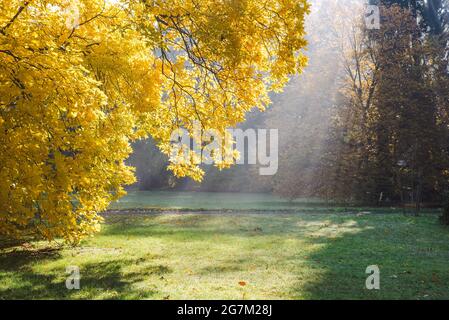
(21, 8)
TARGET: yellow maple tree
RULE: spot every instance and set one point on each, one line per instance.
(80, 80)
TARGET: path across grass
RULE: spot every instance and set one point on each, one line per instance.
(239, 256)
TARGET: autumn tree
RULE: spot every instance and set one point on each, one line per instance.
(391, 131)
(80, 80)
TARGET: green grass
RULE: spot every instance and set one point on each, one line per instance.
(222, 201)
(208, 201)
(205, 256)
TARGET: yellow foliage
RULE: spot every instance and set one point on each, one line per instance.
(80, 80)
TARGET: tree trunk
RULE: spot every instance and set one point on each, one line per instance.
(445, 217)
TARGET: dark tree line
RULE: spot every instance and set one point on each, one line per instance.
(390, 140)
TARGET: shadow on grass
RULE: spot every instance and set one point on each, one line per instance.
(412, 255)
(104, 280)
(17, 260)
(198, 227)
(411, 252)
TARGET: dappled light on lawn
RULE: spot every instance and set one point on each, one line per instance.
(235, 256)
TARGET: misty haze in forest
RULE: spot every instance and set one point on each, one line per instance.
(364, 120)
(301, 114)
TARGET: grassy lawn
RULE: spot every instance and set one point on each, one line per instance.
(205, 256)
(213, 201)
(210, 201)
